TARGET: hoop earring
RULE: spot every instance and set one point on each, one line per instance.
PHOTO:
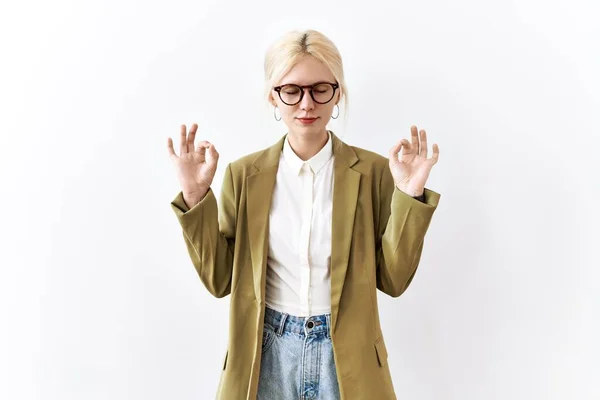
(338, 113)
(275, 114)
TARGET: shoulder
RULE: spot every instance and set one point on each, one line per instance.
(246, 161)
(374, 169)
(369, 162)
(245, 165)
(369, 156)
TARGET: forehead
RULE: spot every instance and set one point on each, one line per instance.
(306, 71)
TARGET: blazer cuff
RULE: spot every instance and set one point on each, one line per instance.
(180, 208)
(428, 198)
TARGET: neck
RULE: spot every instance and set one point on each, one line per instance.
(306, 146)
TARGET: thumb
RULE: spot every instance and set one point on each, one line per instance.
(212, 153)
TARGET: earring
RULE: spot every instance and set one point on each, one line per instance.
(338, 112)
(275, 114)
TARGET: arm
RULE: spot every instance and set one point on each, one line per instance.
(210, 235)
(403, 223)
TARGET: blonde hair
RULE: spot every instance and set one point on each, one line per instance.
(290, 48)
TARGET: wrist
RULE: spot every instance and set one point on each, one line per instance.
(191, 199)
(412, 192)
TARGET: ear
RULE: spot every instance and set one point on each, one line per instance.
(272, 100)
(338, 97)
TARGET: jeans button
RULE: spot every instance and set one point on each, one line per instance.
(310, 324)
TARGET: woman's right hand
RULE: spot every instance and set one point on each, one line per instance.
(196, 167)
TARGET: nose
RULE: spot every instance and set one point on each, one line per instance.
(307, 102)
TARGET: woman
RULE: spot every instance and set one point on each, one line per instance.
(304, 233)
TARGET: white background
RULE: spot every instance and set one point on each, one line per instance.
(98, 298)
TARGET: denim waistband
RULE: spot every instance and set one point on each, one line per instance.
(283, 322)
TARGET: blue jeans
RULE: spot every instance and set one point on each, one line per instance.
(297, 358)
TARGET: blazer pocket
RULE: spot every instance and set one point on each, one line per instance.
(225, 360)
(381, 351)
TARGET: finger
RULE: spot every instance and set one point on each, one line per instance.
(436, 153)
(204, 144)
(192, 136)
(403, 145)
(183, 149)
(393, 156)
(201, 149)
(423, 150)
(414, 137)
(170, 148)
(213, 155)
(407, 147)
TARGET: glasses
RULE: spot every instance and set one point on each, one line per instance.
(321, 92)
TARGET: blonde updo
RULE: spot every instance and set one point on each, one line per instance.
(290, 48)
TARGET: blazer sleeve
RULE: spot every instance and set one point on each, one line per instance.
(403, 223)
(209, 234)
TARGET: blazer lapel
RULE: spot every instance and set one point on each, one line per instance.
(346, 183)
(261, 184)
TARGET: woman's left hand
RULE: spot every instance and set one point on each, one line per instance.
(411, 170)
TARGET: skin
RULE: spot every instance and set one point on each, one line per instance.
(306, 140)
(410, 169)
(408, 161)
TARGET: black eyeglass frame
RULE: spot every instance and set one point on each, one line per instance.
(311, 87)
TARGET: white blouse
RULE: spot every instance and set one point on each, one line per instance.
(298, 264)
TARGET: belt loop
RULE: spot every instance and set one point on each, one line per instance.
(281, 324)
(328, 319)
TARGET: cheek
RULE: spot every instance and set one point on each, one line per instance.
(326, 110)
(288, 112)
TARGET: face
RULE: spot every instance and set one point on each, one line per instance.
(308, 118)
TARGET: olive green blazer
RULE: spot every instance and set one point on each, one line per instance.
(377, 240)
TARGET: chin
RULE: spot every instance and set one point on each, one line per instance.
(309, 130)
(317, 126)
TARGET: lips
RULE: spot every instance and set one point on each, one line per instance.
(307, 120)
